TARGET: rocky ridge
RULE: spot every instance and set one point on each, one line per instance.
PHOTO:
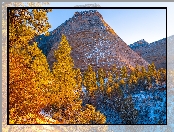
(93, 42)
(152, 52)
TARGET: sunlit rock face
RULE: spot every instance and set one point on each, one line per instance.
(153, 52)
(93, 42)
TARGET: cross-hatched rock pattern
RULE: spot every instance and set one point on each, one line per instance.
(93, 42)
(153, 52)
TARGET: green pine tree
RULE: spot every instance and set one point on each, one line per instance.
(127, 112)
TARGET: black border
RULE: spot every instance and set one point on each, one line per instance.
(8, 8)
(8, 74)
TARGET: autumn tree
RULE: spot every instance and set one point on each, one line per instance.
(25, 25)
(28, 68)
(29, 80)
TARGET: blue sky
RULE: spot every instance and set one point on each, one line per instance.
(131, 35)
(130, 24)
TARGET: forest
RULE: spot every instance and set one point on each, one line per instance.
(69, 95)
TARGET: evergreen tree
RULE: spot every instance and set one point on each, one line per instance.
(124, 72)
(67, 105)
(144, 76)
(132, 81)
(110, 79)
(127, 112)
(157, 77)
(151, 72)
(122, 83)
(100, 79)
(164, 76)
(67, 99)
(117, 92)
(79, 82)
(115, 73)
(91, 116)
(137, 71)
(90, 81)
(109, 84)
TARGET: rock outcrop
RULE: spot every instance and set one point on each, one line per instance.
(153, 52)
(93, 42)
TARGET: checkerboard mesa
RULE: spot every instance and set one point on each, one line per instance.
(93, 42)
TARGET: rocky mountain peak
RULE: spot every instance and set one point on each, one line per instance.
(152, 52)
(93, 42)
(138, 44)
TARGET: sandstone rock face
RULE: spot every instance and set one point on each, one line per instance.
(153, 52)
(93, 42)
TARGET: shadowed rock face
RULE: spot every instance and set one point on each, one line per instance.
(93, 42)
(153, 52)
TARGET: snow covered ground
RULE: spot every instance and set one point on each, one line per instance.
(151, 106)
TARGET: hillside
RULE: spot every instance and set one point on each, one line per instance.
(152, 52)
(93, 42)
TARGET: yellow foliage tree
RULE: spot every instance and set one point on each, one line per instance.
(67, 101)
(163, 75)
(109, 85)
(66, 92)
(115, 73)
(92, 116)
(90, 81)
(143, 77)
(78, 78)
(151, 72)
(100, 79)
(124, 72)
(25, 25)
(29, 82)
(28, 68)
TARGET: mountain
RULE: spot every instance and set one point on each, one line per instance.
(153, 52)
(93, 42)
(138, 44)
